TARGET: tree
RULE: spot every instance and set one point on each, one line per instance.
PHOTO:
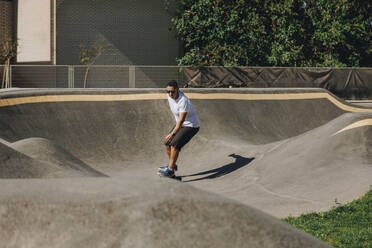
(288, 33)
(221, 32)
(341, 32)
(277, 33)
(8, 50)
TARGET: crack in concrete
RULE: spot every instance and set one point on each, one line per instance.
(285, 196)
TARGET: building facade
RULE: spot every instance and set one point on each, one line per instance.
(130, 32)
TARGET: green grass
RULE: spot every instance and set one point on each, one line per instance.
(347, 226)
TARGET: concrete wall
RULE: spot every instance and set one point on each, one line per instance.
(6, 19)
(130, 31)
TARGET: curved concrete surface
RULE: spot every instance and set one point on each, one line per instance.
(91, 158)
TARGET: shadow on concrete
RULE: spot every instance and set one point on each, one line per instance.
(223, 170)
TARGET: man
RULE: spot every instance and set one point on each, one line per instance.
(187, 125)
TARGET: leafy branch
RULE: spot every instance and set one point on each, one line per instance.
(88, 56)
(8, 50)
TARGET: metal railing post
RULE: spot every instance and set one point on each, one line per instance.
(10, 76)
(71, 83)
(132, 77)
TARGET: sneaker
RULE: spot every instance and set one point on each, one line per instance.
(166, 166)
(166, 173)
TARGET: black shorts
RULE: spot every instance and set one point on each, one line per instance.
(182, 137)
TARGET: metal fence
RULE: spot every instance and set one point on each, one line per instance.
(348, 83)
(97, 76)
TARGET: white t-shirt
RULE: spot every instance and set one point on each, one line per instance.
(180, 105)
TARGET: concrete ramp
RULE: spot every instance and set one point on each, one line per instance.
(305, 173)
(283, 151)
(46, 151)
(40, 158)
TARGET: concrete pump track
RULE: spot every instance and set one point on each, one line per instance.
(78, 167)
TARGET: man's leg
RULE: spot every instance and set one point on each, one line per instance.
(173, 157)
(168, 148)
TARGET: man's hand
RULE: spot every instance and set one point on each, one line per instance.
(169, 138)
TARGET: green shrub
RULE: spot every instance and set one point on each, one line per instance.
(277, 33)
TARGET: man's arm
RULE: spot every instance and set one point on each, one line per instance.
(179, 122)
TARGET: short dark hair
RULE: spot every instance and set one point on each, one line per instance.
(173, 83)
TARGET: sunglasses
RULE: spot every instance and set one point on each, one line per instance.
(171, 91)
